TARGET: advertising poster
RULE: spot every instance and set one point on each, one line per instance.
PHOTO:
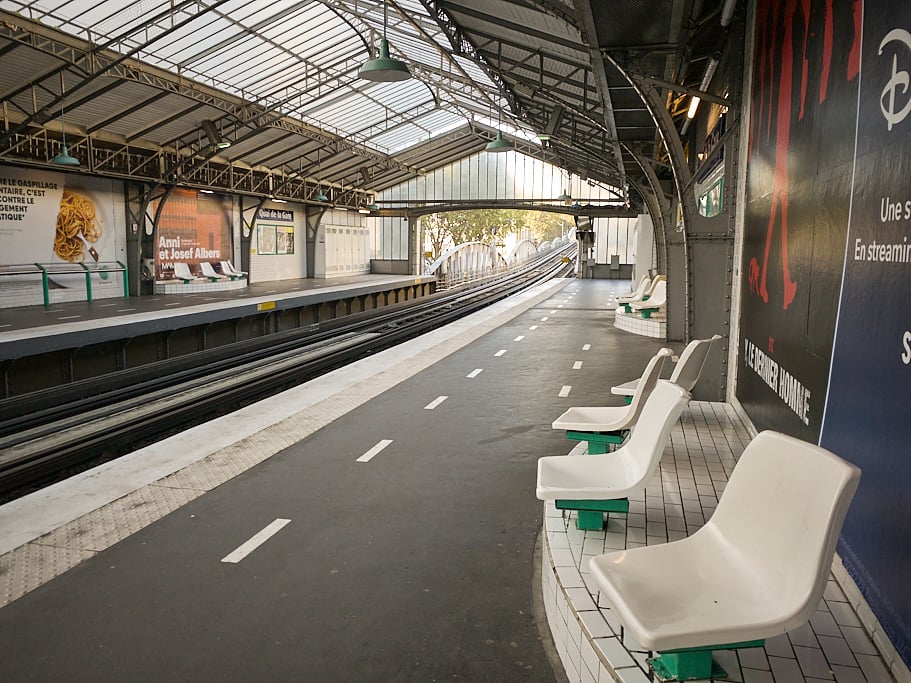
(274, 231)
(48, 217)
(60, 221)
(801, 146)
(193, 227)
(868, 415)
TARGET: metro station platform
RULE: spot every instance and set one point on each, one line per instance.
(380, 523)
(35, 329)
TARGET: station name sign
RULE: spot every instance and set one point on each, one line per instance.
(275, 215)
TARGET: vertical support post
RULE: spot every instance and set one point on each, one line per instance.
(88, 282)
(126, 280)
(44, 284)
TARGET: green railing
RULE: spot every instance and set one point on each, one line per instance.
(102, 269)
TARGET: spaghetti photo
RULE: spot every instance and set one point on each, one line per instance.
(77, 226)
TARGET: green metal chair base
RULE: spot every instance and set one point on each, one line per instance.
(591, 512)
(694, 664)
(647, 312)
(599, 442)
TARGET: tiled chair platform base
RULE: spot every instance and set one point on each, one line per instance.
(179, 287)
(655, 327)
(833, 646)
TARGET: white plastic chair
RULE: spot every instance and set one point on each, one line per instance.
(581, 422)
(638, 293)
(208, 271)
(601, 483)
(228, 269)
(182, 272)
(656, 300)
(756, 569)
(686, 372)
(649, 291)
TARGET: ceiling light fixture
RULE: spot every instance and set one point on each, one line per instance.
(64, 158)
(383, 68)
(727, 12)
(498, 144)
(565, 198)
(216, 139)
(553, 123)
(703, 87)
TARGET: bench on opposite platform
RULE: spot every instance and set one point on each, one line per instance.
(758, 567)
(601, 483)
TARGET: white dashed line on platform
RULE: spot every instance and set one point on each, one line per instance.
(500, 353)
(257, 540)
(68, 317)
(533, 327)
(368, 456)
(564, 391)
(577, 365)
(519, 338)
(435, 402)
(586, 347)
(474, 373)
(544, 319)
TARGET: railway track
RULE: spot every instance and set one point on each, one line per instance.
(50, 434)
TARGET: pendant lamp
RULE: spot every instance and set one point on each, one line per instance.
(383, 68)
(499, 144)
(64, 158)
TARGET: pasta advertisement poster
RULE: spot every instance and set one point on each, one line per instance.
(54, 218)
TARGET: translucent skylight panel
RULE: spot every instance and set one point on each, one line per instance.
(299, 57)
(336, 111)
(189, 40)
(250, 12)
(111, 18)
(401, 137)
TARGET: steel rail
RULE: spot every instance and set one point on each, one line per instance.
(61, 438)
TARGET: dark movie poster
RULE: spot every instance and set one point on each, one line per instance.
(868, 415)
(801, 147)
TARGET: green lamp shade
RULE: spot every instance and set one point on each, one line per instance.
(384, 69)
(64, 158)
(498, 144)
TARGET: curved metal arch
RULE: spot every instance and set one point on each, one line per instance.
(466, 260)
(523, 251)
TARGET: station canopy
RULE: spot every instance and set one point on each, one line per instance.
(140, 88)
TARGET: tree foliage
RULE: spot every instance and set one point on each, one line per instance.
(444, 230)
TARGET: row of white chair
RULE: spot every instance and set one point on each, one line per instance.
(759, 565)
(650, 295)
(228, 272)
